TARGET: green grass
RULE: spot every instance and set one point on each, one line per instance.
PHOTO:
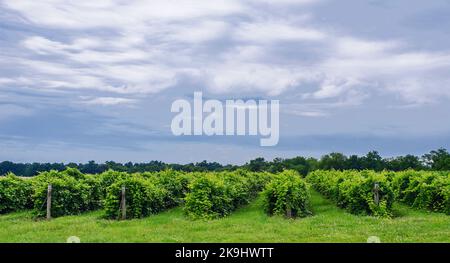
(249, 224)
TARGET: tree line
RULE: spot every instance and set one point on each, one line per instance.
(437, 160)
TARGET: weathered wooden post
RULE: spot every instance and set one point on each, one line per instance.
(288, 212)
(288, 209)
(376, 193)
(123, 205)
(49, 202)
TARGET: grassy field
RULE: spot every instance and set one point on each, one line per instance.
(249, 224)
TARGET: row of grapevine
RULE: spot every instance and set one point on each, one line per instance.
(15, 194)
(147, 193)
(287, 194)
(425, 190)
(74, 192)
(207, 195)
(214, 195)
(217, 194)
(365, 192)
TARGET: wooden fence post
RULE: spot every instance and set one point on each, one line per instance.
(288, 212)
(49, 202)
(376, 193)
(123, 205)
(288, 209)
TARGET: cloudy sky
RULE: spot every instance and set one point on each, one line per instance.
(94, 80)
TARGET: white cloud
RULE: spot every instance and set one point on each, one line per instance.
(273, 31)
(115, 14)
(150, 44)
(145, 78)
(108, 101)
(128, 78)
(353, 47)
(253, 77)
(6, 81)
(43, 45)
(331, 88)
(198, 32)
(80, 50)
(416, 91)
(393, 64)
(310, 114)
(384, 67)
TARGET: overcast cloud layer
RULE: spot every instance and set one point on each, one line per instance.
(84, 80)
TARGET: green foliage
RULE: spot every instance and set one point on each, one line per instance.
(403, 163)
(143, 198)
(74, 173)
(426, 190)
(146, 194)
(400, 182)
(250, 225)
(175, 182)
(210, 195)
(438, 160)
(287, 194)
(354, 190)
(214, 195)
(15, 193)
(335, 161)
(207, 198)
(72, 192)
(108, 178)
(96, 192)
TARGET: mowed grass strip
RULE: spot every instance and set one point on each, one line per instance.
(248, 224)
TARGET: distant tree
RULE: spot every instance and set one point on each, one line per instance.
(207, 166)
(354, 162)
(402, 163)
(6, 167)
(438, 160)
(92, 168)
(435, 160)
(313, 164)
(334, 160)
(276, 166)
(373, 161)
(257, 165)
(300, 164)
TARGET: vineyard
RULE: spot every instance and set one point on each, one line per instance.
(208, 196)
